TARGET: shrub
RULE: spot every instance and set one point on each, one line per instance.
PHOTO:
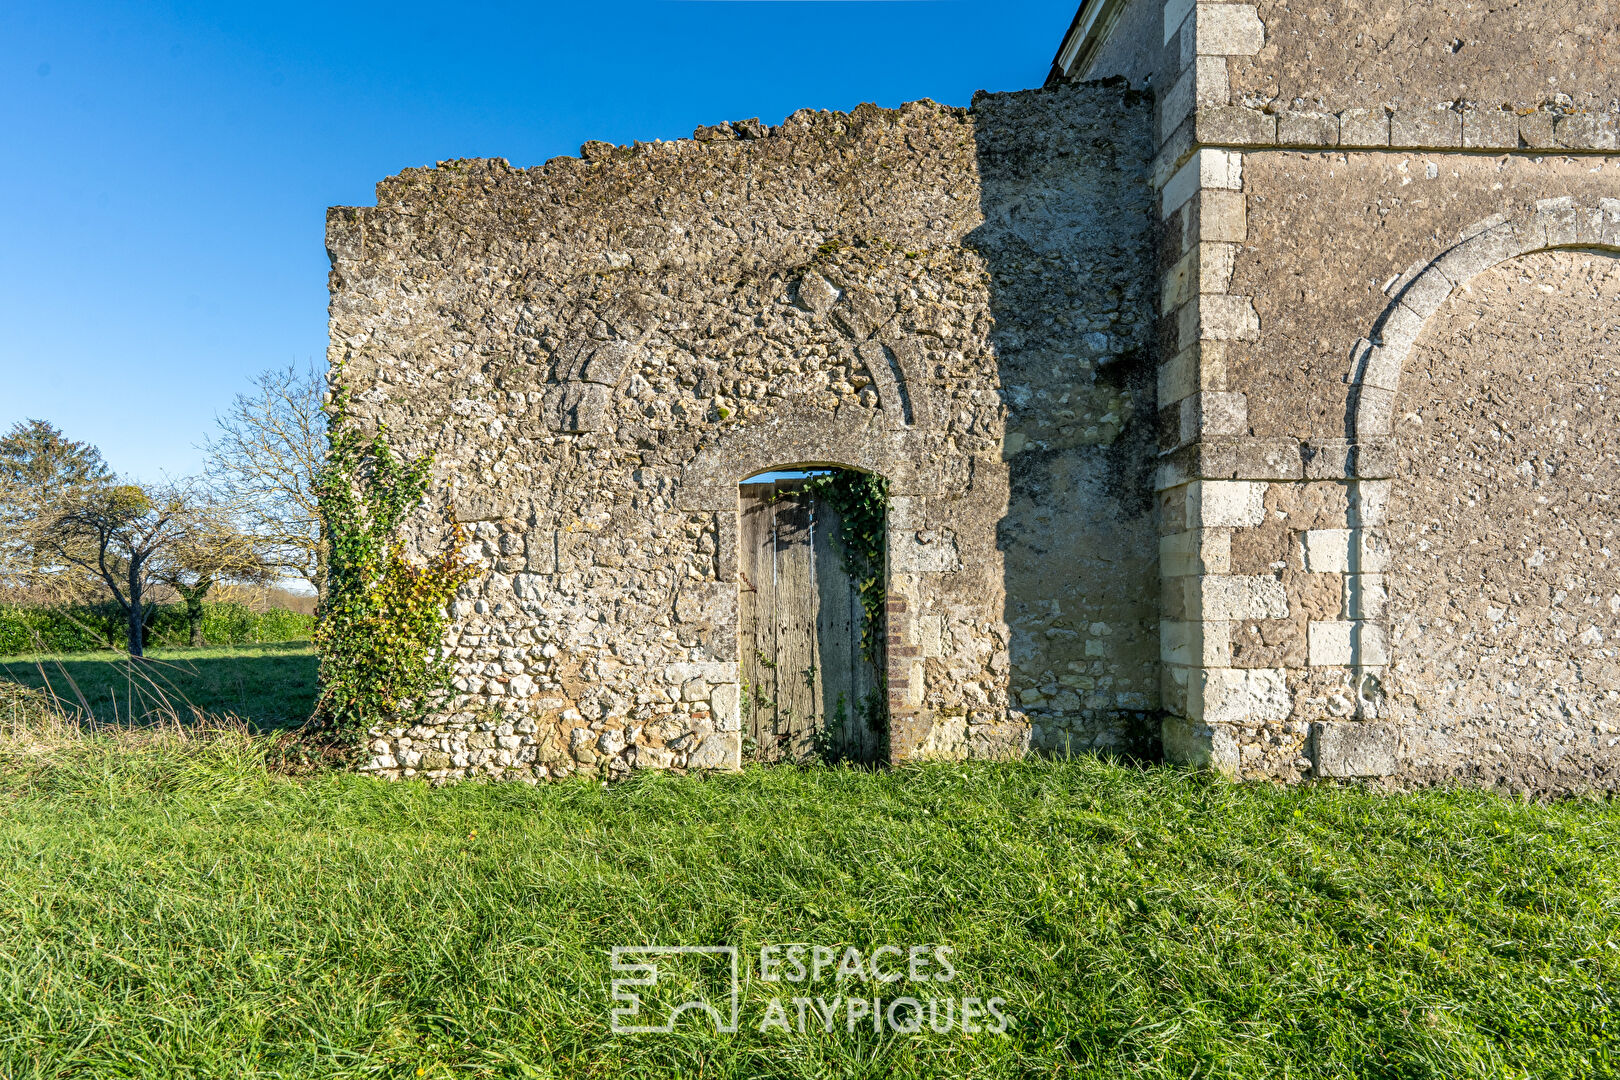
(41, 629)
(279, 624)
(92, 627)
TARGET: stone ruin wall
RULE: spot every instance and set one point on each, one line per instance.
(597, 350)
(1350, 193)
(1373, 592)
(1382, 323)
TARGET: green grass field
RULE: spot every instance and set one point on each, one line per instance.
(268, 686)
(168, 908)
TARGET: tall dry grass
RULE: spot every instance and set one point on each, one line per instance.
(50, 745)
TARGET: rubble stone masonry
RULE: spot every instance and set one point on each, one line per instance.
(597, 351)
(1250, 392)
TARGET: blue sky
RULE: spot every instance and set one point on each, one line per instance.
(168, 165)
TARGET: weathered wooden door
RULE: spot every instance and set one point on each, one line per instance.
(808, 689)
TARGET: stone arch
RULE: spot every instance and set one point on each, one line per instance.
(1377, 362)
(865, 441)
(1501, 599)
(848, 439)
(1376, 368)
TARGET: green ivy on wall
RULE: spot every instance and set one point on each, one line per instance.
(384, 617)
(861, 501)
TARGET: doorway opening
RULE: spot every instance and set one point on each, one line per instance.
(812, 584)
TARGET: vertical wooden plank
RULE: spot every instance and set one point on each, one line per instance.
(835, 652)
(747, 605)
(771, 634)
(795, 602)
(813, 623)
(857, 737)
(753, 610)
(767, 630)
(867, 677)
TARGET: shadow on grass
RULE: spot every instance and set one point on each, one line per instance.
(270, 687)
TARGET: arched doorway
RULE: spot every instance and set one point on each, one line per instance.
(1504, 603)
(812, 577)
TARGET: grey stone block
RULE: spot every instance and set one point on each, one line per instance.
(816, 293)
(1235, 125)
(1375, 410)
(722, 750)
(1587, 131)
(1249, 459)
(1213, 413)
(1427, 291)
(1381, 368)
(1537, 131)
(1187, 742)
(1425, 127)
(1229, 29)
(1329, 459)
(1481, 252)
(1307, 129)
(1228, 318)
(1490, 129)
(1374, 457)
(1609, 221)
(582, 407)
(1349, 748)
(1400, 328)
(1364, 127)
(607, 362)
(1178, 101)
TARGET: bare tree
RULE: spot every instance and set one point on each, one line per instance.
(133, 538)
(263, 463)
(209, 551)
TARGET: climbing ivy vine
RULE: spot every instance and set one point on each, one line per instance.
(861, 501)
(384, 615)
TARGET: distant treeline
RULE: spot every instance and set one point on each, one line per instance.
(102, 626)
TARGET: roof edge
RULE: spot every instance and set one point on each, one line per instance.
(1091, 23)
